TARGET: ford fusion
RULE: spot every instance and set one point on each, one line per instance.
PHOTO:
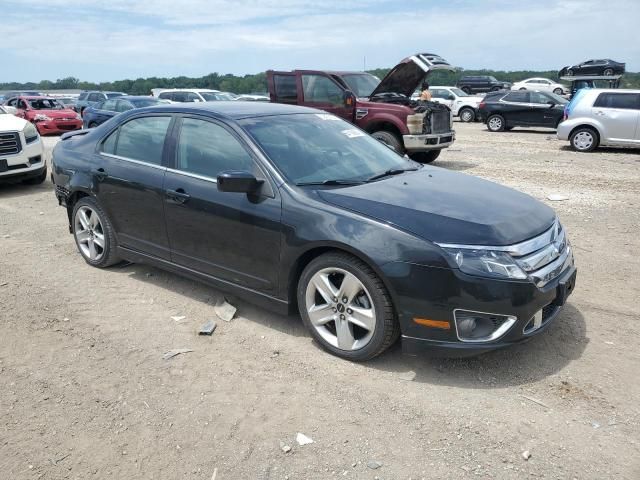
(296, 209)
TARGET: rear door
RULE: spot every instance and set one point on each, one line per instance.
(129, 174)
(619, 114)
(234, 237)
(517, 109)
(321, 91)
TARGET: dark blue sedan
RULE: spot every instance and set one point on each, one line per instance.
(103, 111)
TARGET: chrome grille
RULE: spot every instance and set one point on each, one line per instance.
(10, 143)
(544, 257)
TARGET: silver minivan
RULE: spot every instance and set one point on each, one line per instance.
(602, 117)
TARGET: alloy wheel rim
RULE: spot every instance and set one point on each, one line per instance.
(495, 123)
(340, 309)
(466, 116)
(89, 233)
(583, 140)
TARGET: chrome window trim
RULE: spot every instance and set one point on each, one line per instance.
(518, 249)
(133, 160)
(193, 175)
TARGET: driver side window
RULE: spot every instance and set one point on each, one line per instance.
(206, 148)
(321, 89)
(537, 97)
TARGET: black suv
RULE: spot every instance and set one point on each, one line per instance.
(505, 110)
(481, 83)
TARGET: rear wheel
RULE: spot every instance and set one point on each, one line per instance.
(92, 125)
(495, 89)
(346, 307)
(467, 115)
(584, 139)
(390, 140)
(608, 72)
(425, 157)
(93, 233)
(558, 91)
(496, 123)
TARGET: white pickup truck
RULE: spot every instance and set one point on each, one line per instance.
(462, 105)
(21, 150)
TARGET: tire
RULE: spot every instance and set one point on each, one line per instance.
(608, 72)
(467, 115)
(92, 125)
(425, 157)
(36, 180)
(584, 139)
(466, 90)
(372, 300)
(521, 89)
(389, 139)
(94, 254)
(495, 123)
(495, 89)
(558, 91)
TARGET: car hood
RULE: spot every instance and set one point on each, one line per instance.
(447, 207)
(407, 76)
(11, 123)
(66, 113)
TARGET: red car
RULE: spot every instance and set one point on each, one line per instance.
(48, 114)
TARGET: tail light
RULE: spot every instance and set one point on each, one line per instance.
(481, 104)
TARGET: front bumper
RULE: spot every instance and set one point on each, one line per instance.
(435, 141)
(58, 126)
(434, 293)
(29, 162)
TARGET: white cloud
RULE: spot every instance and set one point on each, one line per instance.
(100, 40)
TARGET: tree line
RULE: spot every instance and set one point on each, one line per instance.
(257, 83)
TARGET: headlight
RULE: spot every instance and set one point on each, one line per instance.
(30, 133)
(41, 118)
(486, 263)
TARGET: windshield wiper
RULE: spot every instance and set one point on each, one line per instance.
(390, 172)
(331, 182)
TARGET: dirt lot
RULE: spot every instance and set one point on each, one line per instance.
(86, 394)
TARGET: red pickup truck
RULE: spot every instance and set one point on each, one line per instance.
(383, 108)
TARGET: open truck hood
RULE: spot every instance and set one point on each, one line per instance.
(407, 76)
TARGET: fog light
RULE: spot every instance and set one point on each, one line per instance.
(480, 326)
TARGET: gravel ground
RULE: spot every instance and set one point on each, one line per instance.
(86, 394)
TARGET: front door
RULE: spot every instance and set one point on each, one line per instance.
(543, 113)
(129, 175)
(322, 92)
(231, 236)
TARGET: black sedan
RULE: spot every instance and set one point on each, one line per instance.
(95, 115)
(604, 67)
(296, 209)
(507, 109)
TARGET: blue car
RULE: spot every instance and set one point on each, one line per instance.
(103, 111)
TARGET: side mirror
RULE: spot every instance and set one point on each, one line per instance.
(238, 182)
(348, 98)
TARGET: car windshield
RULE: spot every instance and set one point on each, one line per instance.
(114, 94)
(319, 147)
(46, 104)
(146, 102)
(459, 92)
(361, 84)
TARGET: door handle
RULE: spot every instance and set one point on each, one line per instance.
(178, 196)
(99, 173)
(600, 113)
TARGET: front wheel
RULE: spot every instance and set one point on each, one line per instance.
(496, 123)
(390, 140)
(93, 233)
(467, 115)
(346, 307)
(558, 91)
(584, 139)
(425, 157)
(608, 72)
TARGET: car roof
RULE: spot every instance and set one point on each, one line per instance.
(135, 97)
(233, 110)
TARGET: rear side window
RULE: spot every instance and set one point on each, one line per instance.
(166, 96)
(286, 88)
(139, 139)
(517, 97)
(206, 148)
(629, 101)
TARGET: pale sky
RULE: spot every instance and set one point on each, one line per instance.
(102, 40)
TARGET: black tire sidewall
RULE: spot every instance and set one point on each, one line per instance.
(108, 258)
(425, 157)
(390, 139)
(351, 265)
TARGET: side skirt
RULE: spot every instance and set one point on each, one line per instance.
(274, 304)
